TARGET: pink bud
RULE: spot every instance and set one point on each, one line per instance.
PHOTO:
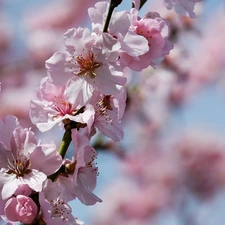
(21, 208)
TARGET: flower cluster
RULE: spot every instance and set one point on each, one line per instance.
(84, 93)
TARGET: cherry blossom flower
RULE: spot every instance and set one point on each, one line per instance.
(23, 160)
(130, 42)
(56, 104)
(7, 125)
(21, 209)
(109, 110)
(82, 171)
(156, 31)
(91, 62)
(54, 209)
(182, 7)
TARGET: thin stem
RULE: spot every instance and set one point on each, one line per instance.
(65, 143)
(66, 140)
(112, 6)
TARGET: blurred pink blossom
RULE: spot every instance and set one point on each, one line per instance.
(201, 156)
(183, 7)
(58, 14)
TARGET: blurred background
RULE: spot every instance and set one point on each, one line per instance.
(170, 167)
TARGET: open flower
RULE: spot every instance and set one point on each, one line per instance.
(56, 104)
(91, 62)
(23, 160)
(109, 110)
(54, 209)
(81, 179)
(130, 42)
(156, 31)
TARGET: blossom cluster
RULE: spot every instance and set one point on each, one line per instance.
(83, 93)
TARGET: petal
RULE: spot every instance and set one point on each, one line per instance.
(25, 141)
(116, 26)
(10, 210)
(88, 176)
(43, 116)
(34, 180)
(59, 68)
(67, 185)
(46, 159)
(112, 130)
(109, 80)
(7, 125)
(48, 91)
(76, 39)
(98, 14)
(85, 195)
(134, 44)
(81, 89)
(9, 185)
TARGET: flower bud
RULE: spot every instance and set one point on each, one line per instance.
(21, 208)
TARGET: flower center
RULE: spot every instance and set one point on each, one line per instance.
(62, 106)
(145, 32)
(18, 165)
(60, 209)
(87, 65)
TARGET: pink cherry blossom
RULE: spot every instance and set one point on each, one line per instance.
(201, 157)
(90, 61)
(24, 161)
(182, 7)
(7, 125)
(130, 42)
(21, 209)
(54, 209)
(156, 31)
(56, 104)
(109, 110)
(83, 172)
